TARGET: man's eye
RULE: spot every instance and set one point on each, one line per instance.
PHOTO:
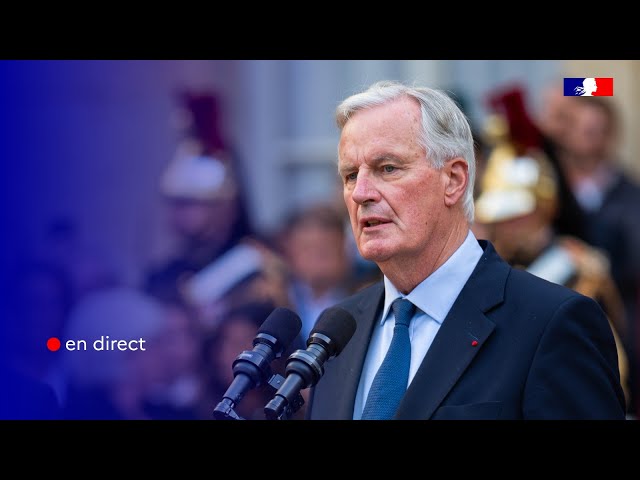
(389, 168)
(352, 176)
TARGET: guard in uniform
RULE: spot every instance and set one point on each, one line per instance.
(516, 207)
(218, 263)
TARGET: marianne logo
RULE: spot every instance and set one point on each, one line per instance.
(588, 87)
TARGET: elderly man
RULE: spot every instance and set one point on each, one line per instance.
(452, 332)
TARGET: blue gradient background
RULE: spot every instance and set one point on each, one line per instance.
(73, 140)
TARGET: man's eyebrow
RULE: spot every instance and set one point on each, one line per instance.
(375, 161)
(384, 157)
(346, 167)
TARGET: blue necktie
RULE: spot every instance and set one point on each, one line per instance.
(390, 383)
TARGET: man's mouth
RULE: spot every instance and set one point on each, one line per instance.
(373, 222)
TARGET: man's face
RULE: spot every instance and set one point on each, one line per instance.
(589, 134)
(204, 221)
(556, 115)
(317, 254)
(513, 235)
(394, 197)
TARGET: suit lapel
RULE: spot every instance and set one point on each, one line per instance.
(367, 311)
(454, 346)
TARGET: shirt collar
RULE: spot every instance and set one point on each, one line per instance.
(436, 294)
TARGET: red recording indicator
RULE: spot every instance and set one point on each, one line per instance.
(53, 344)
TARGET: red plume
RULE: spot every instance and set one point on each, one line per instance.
(510, 102)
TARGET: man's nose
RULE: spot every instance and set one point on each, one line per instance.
(365, 190)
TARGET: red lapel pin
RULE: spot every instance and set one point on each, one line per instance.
(474, 343)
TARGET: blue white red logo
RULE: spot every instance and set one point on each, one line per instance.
(588, 87)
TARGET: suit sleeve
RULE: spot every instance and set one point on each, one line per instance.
(574, 373)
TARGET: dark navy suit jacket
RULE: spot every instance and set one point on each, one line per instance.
(543, 352)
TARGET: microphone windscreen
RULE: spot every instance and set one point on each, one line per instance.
(337, 324)
(283, 324)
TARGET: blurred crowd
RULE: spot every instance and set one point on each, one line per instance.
(550, 195)
(197, 310)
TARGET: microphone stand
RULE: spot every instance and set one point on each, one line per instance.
(225, 411)
(275, 382)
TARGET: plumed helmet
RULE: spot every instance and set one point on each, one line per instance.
(193, 174)
(515, 182)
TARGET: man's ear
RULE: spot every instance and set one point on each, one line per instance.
(456, 178)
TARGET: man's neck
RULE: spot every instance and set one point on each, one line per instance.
(588, 167)
(528, 251)
(407, 272)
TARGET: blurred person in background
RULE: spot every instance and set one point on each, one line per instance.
(220, 262)
(114, 384)
(35, 303)
(314, 246)
(517, 204)
(180, 390)
(611, 202)
(87, 269)
(201, 198)
(204, 201)
(554, 118)
(548, 134)
(610, 198)
(38, 299)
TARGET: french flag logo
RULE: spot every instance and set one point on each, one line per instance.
(588, 87)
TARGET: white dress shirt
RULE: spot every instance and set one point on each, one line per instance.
(433, 298)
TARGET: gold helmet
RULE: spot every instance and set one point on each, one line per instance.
(513, 183)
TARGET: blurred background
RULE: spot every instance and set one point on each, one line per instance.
(181, 201)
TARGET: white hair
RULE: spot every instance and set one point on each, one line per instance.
(446, 133)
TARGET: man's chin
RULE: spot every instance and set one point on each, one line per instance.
(376, 254)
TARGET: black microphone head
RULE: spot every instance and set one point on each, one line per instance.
(337, 324)
(282, 324)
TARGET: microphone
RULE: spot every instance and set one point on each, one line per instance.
(252, 368)
(331, 333)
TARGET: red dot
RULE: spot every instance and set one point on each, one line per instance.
(53, 344)
(474, 343)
